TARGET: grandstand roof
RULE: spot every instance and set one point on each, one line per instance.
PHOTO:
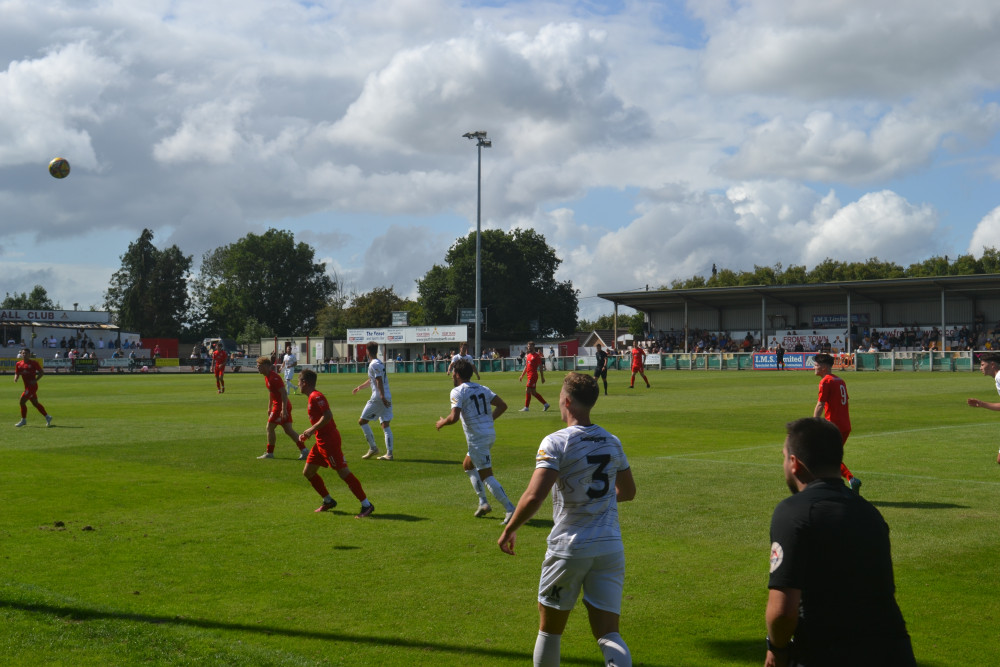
(878, 291)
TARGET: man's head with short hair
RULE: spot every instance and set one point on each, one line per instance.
(989, 363)
(264, 365)
(463, 370)
(307, 376)
(817, 445)
(581, 388)
(598, 346)
(530, 345)
(372, 349)
(825, 359)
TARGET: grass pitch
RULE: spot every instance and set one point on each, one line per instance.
(141, 529)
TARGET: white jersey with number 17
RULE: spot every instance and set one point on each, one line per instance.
(584, 504)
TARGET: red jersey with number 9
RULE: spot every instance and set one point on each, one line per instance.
(833, 396)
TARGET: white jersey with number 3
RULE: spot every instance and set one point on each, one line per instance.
(584, 505)
(474, 401)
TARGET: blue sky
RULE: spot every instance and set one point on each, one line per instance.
(645, 140)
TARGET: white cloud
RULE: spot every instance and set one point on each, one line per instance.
(741, 134)
(986, 234)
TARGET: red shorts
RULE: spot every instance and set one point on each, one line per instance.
(30, 393)
(637, 369)
(328, 454)
(532, 381)
(274, 415)
(219, 371)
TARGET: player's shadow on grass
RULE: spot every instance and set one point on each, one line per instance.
(752, 651)
(447, 462)
(382, 516)
(82, 614)
(748, 651)
(918, 505)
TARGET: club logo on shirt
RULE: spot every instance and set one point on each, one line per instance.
(777, 555)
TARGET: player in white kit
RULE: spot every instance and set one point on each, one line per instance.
(590, 474)
(288, 363)
(477, 407)
(463, 353)
(379, 405)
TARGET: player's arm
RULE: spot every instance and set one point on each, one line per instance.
(453, 416)
(475, 370)
(624, 485)
(818, 410)
(366, 383)
(521, 376)
(323, 421)
(284, 402)
(541, 372)
(499, 407)
(531, 500)
(782, 618)
(381, 390)
(976, 403)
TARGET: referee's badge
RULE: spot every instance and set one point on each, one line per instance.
(777, 555)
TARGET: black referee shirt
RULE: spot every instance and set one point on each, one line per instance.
(834, 546)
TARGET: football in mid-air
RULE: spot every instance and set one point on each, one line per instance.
(59, 167)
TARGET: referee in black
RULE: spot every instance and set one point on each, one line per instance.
(601, 371)
(832, 598)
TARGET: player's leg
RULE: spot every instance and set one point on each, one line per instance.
(849, 477)
(643, 373)
(477, 485)
(40, 408)
(311, 472)
(602, 595)
(558, 588)
(493, 484)
(631, 382)
(291, 433)
(545, 404)
(222, 380)
(387, 433)
(366, 415)
(272, 437)
(551, 624)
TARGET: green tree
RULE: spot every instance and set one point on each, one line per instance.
(253, 332)
(267, 277)
(990, 261)
(374, 309)
(149, 292)
(519, 289)
(37, 300)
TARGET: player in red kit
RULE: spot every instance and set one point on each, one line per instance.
(534, 367)
(834, 406)
(280, 410)
(638, 366)
(326, 453)
(219, 359)
(29, 371)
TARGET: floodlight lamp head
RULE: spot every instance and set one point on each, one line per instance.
(485, 143)
(479, 134)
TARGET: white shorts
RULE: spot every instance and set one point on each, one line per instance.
(480, 455)
(601, 577)
(376, 408)
(289, 374)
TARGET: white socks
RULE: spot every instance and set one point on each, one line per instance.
(388, 440)
(615, 650)
(369, 436)
(477, 485)
(547, 650)
(494, 486)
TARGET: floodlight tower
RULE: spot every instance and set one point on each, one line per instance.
(481, 143)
